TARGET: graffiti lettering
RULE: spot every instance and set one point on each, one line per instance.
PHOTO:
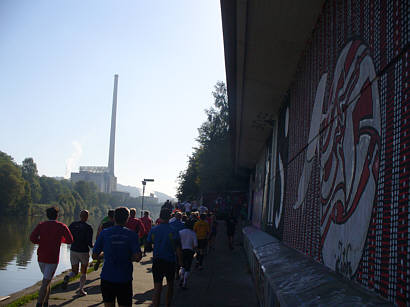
(343, 264)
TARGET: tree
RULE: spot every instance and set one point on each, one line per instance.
(210, 167)
(30, 174)
(21, 185)
(189, 180)
(50, 189)
(13, 188)
(216, 128)
(29, 169)
(88, 192)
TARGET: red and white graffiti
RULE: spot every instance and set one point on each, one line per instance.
(345, 134)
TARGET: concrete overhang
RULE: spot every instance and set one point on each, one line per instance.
(263, 41)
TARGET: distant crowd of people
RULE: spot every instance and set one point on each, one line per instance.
(183, 233)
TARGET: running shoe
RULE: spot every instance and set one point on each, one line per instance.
(65, 282)
(82, 292)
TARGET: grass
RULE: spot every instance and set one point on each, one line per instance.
(30, 297)
(23, 300)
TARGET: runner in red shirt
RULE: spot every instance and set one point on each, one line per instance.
(135, 224)
(49, 235)
(146, 220)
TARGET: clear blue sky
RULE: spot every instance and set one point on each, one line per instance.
(58, 60)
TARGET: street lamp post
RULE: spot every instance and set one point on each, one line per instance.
(144, 183)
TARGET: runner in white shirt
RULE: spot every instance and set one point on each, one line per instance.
(188, 207)
(172, 219)
(202, 209)
(189, 243)
(194, 206)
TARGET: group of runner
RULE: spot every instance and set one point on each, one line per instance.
(180, 237)
(118, 242)
(175, 239)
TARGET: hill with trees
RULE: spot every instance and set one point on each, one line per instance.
(24, 192)
(210, 166)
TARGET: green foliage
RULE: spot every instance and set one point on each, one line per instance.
(210, 168)
(189, 180)
(30, 174)
(216, 128)
(13, 188)
(22, 190)
(39, 209)
(88, 192)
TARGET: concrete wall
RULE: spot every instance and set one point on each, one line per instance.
(341, 164)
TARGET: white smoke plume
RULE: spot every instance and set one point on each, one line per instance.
(73, 159)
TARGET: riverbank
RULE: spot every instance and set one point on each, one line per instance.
(29, 294)
(225, 281)
(18, 256)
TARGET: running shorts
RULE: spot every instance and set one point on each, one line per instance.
(76, 258)
(202, 243)
(143, 239)
(48, 269)
(187, 256)
(161, 268)
(122, 291)
(230, 232)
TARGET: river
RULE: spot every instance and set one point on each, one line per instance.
(18, 256)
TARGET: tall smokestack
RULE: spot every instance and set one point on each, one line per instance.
(112, 134)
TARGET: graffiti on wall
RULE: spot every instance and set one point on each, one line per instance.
(258, 192)
(347, 199)
(281, 171)
(345, 134)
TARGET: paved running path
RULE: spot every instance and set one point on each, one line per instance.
(225, 281)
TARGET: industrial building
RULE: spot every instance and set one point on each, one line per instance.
(102, 176)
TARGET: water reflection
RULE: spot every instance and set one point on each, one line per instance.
(18, 256)
(14, 233)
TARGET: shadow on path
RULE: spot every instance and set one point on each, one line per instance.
(146, 262)
(141, 298)
(73, 286)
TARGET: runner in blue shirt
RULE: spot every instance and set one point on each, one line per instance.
(177, 225)
(166, 249)
(120, 247)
